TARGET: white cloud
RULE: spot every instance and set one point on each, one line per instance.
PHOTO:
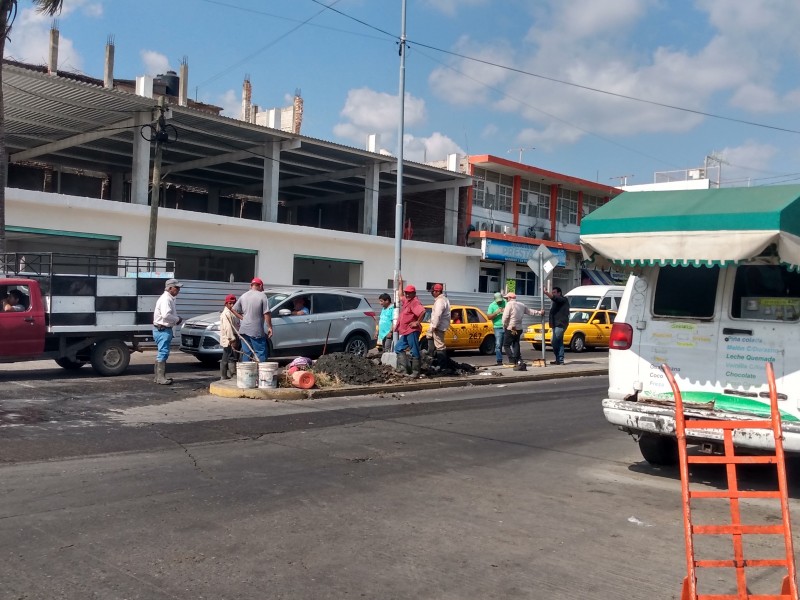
(154, 62)
(367, 111)
(602, 44)
(425, 149)
(29, 40)
(452, 7)
(231, 104)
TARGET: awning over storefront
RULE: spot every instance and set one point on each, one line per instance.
(598, 277)
(695, 227)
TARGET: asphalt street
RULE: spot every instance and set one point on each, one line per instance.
(507, 491)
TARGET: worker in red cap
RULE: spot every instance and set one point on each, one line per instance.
(228, 339)
(256, 325)
(440, 323)
(409, 326)
(513, 314)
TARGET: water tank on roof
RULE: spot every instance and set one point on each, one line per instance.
(171, 81)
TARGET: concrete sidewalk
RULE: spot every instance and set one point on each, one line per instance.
(582, 365)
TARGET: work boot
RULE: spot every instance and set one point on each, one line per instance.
(440, 358)
(161, 370)
(232, 369)
(520, 366)
(402, 362)
(223, 370)
(431, 346)
(415, 366)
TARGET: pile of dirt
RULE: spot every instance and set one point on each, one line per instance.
(353, 370)
(350, 369)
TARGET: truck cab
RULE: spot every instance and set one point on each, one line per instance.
(22, 320)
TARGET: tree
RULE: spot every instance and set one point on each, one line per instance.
(8, 10)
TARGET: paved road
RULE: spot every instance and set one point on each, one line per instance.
(506, 492)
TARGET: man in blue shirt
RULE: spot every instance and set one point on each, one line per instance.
(495, 313)
(385, 322)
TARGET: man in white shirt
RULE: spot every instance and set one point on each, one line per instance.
(440, 322)
(512, 329)
(165, 317)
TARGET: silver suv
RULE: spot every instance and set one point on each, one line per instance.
(338, 321)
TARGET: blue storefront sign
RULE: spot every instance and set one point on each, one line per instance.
(521, 253)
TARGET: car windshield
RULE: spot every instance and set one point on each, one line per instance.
(276, 298)
(579, 316)
(583, 301)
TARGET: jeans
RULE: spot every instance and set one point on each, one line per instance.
(410, 341)
(259, 344)
(499, 334)
(558, 343)
(511, 345)
(163, 339)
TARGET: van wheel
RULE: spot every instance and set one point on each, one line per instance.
(357, 344)
(68, 364)
(487, 345)
(659, 450)
(578, 343)
(208, 361)
(110, 357)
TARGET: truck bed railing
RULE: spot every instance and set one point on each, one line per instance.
(46, 264)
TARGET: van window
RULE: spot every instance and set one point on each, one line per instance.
(686, 292)
(583, 301)
(606, 303)
(766, 292)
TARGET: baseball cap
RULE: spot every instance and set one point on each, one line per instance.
(256, 281)
(511, 296)
(172, 283)
(410, 289)
(437, 287)
(498, 296)
(230, 298)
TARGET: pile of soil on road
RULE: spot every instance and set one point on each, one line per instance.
(354, 370)
(350, 369)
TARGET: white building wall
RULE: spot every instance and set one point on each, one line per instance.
(276, 243)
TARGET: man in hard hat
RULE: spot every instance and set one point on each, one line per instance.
(440, 323)
(409, 326)
(256, 325)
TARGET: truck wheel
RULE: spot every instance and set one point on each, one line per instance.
(578, 343)
(110, 357)
(659, 450)
(487, 345)
(208, 361)
(68, 364)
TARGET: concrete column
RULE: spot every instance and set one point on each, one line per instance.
(369, 210)
(272, 169)
(451, 216)
(140, 169)
(213, 200)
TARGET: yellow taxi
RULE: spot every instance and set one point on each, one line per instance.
(470, 329)
(586, 329)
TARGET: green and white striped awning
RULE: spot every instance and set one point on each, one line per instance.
(695, 227)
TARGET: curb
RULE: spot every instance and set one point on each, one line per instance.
(228, 389)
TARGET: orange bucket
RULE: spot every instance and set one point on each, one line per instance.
(303, 379)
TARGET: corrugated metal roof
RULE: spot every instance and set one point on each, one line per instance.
(96, 131)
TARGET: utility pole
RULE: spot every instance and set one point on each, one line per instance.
(622, 179)
(398, 212)
(521, 150)
(161, 134)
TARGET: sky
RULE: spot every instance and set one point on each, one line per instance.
(611, 91)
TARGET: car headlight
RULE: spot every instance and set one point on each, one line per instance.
(214, 327)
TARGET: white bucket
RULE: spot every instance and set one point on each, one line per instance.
(246, 375)
(267, 372)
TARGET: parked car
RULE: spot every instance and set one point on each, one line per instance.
(586, 329)
(470, 329)
(338, 321)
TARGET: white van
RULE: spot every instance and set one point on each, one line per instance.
(715, 295)
(593, 297)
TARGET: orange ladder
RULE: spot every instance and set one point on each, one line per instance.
(736, 529)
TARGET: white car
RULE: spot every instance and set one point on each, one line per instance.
(338, 321)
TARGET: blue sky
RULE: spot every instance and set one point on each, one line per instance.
(738, 59)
